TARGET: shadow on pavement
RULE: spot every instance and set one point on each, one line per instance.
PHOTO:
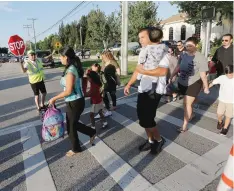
(16, 82)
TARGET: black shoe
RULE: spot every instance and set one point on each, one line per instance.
(220, 125)
(157, 146)
(145, 147)
(224, 132)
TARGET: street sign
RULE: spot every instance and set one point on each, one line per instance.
(58, 45)
(16, 45)
(208, 13)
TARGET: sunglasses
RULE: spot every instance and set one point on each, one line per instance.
(225, 40)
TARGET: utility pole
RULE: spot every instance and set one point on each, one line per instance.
(124, 39)
(208, 31)
(28, 27)
(81, 43)
(34, 32)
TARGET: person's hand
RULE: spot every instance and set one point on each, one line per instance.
(127, 90)
(206, 91)
(169, 81)
(140, 69)
(51, 101)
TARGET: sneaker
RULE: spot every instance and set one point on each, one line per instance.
(97, 116)
(145, 147)
(104, 125)
(223, 132)
(157, 146)
(220, 125)
(107, 113)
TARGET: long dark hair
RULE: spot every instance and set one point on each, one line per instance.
(72, 59)
(95, 77)
(98, 66)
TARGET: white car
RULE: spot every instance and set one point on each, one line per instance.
(13, 59)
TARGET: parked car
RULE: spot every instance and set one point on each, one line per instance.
(87, 53)
(13, 59)
(116, 47)
(4, 59)
(138, 50)
(45, 56)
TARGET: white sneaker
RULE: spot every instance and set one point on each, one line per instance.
(108, 113)
(97, 116)
(104, 125)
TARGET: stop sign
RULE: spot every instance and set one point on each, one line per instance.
(16, 45)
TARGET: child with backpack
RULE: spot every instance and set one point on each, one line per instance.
(95, 94)
(226, 100)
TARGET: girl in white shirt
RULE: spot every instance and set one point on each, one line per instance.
(226, 100)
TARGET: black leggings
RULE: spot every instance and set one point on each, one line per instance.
(106, 99)
(74, 111)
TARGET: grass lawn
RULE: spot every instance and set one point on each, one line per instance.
(124, 79)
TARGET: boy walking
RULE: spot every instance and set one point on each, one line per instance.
(226, 100)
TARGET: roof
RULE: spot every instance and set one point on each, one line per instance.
(174, 18)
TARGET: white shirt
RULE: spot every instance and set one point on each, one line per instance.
(226, 88)
(33, 62)
(151, 57)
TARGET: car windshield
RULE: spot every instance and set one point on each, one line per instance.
(43, 54)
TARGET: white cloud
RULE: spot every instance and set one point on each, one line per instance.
(5, 6)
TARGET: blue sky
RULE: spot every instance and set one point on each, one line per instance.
(13, 15)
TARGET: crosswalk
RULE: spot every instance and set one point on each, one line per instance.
(188, 161)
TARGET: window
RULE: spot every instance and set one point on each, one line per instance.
(198, 30)
(170, 33)
(183, 33)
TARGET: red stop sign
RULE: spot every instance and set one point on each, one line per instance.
(16, 45)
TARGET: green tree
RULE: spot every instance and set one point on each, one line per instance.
(61, 34)
(3, 50)
(141, 14)
(84, 26)
(193, 9)
(96, 28)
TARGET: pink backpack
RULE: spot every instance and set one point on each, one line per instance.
(53, 124)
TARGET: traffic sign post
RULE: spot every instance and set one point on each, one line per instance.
(16, 45)
(207, 15)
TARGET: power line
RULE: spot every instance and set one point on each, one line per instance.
(70, 12)
(79, 10)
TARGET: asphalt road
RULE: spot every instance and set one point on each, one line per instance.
(190, 161)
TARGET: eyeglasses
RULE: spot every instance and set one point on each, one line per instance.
(225, 40)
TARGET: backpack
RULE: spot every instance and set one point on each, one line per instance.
(53, 124)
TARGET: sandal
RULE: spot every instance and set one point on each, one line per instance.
(174, 98)
(181, 130)
(92, 139)
(71, 153)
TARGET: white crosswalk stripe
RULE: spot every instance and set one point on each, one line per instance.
(127, 178)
